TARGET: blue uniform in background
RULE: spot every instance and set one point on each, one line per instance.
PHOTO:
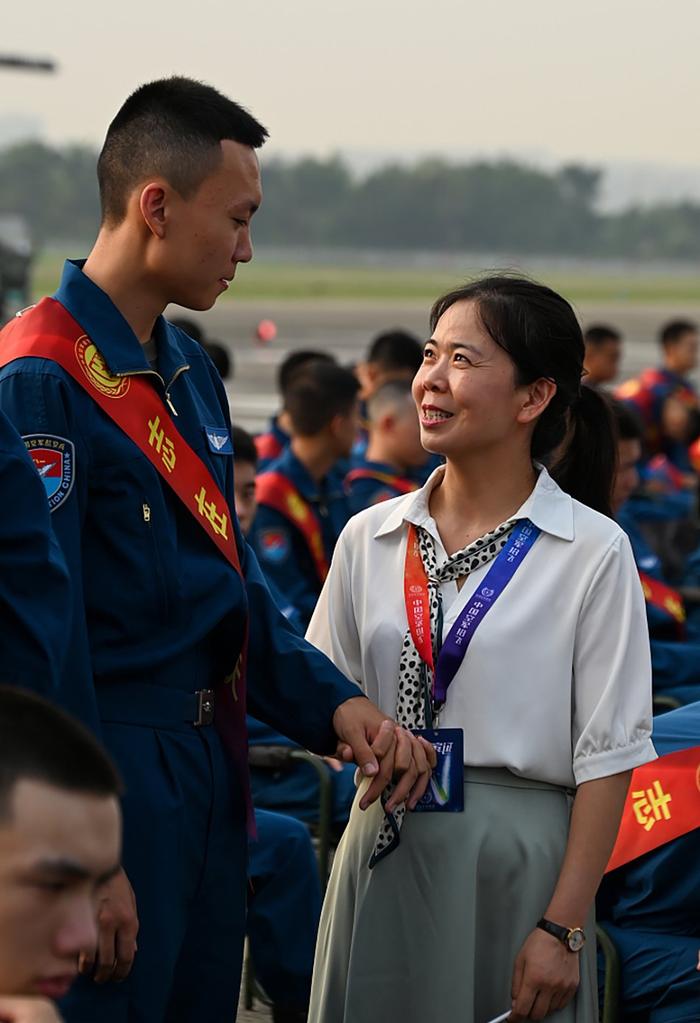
(651, 908)
(270, 444)
(35, 597)
(280, 545)
(158, 614)
(378, 482)
(283, 909)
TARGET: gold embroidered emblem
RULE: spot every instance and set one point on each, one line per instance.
(95, 369)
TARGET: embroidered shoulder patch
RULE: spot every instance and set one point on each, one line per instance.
(54, 460)
(219, 440)
(274, 545)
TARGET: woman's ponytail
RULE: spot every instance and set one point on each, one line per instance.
(586, 462)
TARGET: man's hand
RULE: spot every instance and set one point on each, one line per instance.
(117, 927)
(545, 978)
(28, 1010)
(384, 752)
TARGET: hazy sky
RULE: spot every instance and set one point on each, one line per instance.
(593, 79)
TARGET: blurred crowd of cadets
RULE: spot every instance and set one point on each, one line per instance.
(347, 438)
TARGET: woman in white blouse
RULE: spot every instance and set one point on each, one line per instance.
(537, 653)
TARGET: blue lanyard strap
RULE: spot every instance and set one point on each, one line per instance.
(462, 632)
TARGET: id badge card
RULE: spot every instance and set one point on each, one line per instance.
(445, 791)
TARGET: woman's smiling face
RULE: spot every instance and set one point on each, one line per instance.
(466, 390)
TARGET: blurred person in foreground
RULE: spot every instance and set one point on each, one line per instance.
(603, 354)
(649, 901)
(60, 833)
(169, 603)
(302, 506)
(271, 442)
(393, 448)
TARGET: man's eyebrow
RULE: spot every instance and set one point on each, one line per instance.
(70, 870)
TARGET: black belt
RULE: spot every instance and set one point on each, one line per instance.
(138, 703)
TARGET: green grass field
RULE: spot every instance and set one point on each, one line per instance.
(272, 280)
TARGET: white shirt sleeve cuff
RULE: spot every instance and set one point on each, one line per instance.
(614, 761)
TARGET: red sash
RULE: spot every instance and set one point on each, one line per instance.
(276, 491)
(665, 598)
(48, 331)
(399, 483)
(663, 803)
(267, 446)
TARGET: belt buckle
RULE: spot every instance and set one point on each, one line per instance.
(205, 707)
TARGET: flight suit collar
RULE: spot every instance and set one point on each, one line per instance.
(104, 324)
(290, 466)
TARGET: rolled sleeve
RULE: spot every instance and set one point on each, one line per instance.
(612, 708)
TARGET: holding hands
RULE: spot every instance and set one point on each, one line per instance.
(384, 752)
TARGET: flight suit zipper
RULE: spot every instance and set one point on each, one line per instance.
(153, 373)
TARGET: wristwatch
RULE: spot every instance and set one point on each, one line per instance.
(573, 938)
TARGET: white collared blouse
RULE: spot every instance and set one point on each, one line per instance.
(556, 683)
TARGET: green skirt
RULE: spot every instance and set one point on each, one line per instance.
(432, 932)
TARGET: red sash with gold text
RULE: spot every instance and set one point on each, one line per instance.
(48, 331)
(278, 492)
(665, 598)
(663, 803)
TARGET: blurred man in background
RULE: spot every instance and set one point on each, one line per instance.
(271, 443)
(393, 449)
(603, 354)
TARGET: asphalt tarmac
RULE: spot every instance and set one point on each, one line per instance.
(346, 328)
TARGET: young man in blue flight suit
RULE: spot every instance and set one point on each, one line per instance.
(35, 597)
(160, 605)
(651, 907)
(271, 442)
(302, 506)
(393, 452)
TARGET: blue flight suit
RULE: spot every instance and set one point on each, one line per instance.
(368, 490)
(158, 615)
(283, 909)
(675, 663)
(651, 908)
(279, 544)
(35, 596)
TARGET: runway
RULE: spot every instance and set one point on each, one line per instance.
(345, 328)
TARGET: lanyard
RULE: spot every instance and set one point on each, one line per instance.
(417, 601)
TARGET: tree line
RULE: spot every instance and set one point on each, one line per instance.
(499, 206)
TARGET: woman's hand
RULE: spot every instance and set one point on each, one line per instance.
(545, 978)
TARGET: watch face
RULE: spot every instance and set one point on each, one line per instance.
(576, 939)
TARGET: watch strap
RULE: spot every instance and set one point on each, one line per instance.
(556, 930)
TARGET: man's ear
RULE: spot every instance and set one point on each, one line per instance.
(538, 395)
(153, 203)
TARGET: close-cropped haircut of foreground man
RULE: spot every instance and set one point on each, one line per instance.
(166, 590)
(60, 834)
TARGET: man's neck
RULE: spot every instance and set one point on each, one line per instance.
(314, 455)
(378, 451)
(114, 268)
(480, 492)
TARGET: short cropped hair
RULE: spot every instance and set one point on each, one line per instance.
(672, 332)
(295, 361)
(396, 350)
(170, 128)
(391, 395)
(244, 449)
(318, 393)
(42, 743)
(600, 333)
(627, 424)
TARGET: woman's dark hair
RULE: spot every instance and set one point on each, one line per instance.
(539, 331)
